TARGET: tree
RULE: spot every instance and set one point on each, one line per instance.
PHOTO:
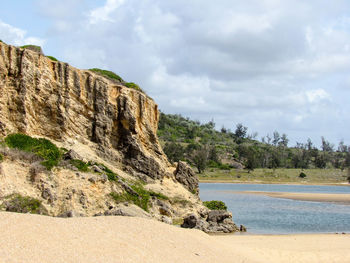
(241, 131)
(276, 138)
(174, 151)
(284, 140)
(200, 158)
(326, 145)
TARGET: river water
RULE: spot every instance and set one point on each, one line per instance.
(267, 215)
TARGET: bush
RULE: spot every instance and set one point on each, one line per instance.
(132, 85)
(40, 147)
(52, 58)
(215, 205)
(302, 175)
(1, 157)
(24, 204)
(107, 73)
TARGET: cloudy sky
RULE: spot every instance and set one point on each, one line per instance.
(269, 64)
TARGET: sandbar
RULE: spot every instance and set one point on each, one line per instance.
(33, 238)
(315, 197)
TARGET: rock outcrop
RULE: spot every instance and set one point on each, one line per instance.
(97, 121)
(212, 221)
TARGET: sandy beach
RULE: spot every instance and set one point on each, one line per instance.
(315, 197)
(34, 238)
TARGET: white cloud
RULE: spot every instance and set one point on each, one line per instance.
(104, 13)
(270, 64)
(17, 36)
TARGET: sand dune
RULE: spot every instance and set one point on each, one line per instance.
(33, 238)
(316, 197)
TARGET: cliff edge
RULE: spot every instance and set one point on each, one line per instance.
(99, 124)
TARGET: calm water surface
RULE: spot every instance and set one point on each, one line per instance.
(267, 215)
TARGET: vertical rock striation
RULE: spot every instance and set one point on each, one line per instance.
(42, 97)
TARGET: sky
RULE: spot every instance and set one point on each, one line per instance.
(269, 64)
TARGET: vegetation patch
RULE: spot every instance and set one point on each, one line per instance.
(111, 175)
(32, 47)
(23, 204)
(215, 205)
(52, 58)
(141, 198)
(302, 175)
(1, 157)
(132, 85)
(40, 147)
(81, 165)
(107, 73)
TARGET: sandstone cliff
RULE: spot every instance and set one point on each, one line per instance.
(102, 121)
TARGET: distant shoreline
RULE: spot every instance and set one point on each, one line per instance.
(264, 182)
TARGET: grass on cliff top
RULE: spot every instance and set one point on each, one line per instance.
(52, 58)
(107, 73)
(40, 147)
(133, 85)
(32, 47)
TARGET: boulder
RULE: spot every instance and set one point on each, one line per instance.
(70, 155)
(186, 176)
(217, 221)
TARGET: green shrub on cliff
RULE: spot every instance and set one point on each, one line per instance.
(81, 165)
(33, 48)
(215, 205)
(132, 85)
(40, 147)
(140, 198)
(52, 58)
(107, 73)
(23, 204)
(1, 157)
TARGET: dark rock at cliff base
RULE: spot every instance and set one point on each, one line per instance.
(70, 155)
(217, 221)
(186, 176)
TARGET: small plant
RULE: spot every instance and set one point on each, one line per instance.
(81, 165)
(132, 85)
(302, 175)
(159, 195)
(215, 205)
(52, 58)
(111, 175)
(40, 147)
(1, 157)
(23, 204)
(107, 73)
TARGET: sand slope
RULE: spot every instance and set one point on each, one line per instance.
(33, 238)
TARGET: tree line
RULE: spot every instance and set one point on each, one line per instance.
(203, 146)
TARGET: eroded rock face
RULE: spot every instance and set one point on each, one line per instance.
(185, 175)
(42, 97)
(97, 119)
